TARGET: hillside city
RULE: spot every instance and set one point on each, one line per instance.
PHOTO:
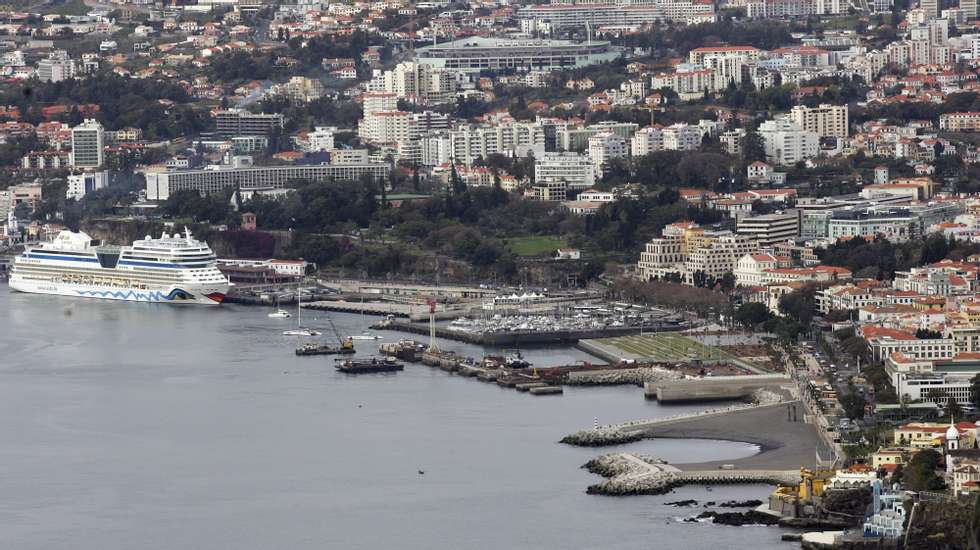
(807, 170)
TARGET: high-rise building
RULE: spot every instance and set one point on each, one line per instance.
(825, 120)
(605, 147)
(787, 143)
(87, 140)
(969, 8)
(930, 8)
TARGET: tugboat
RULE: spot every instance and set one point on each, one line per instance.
(374, 364)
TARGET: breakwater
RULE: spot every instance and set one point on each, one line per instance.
(629, 474)
(607, 377)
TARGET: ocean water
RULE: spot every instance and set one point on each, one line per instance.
(137, 426)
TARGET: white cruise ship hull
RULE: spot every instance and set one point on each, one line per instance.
(173, 295)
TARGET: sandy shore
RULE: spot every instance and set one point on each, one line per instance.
(784, 445)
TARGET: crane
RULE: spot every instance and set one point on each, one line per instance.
(345, 343)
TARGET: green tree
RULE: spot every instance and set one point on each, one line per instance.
(953, 409)
(920, 473)
(752, 314)
(753, 148)
(728, 282)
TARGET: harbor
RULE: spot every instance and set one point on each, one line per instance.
(297, 440)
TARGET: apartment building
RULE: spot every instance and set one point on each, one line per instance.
(386, 127)
(558, 16)
(769, 229)
(604, 148)
(160, 185)
(960, 122)
(87, 142)
(238, 122)
(471, 142)
(786, 143)
(676, 137)
(84, 183)
(824, 120)
(688, 82)
(697, 56)
(575, 170)
(477, 53)
(576, 138)
(419, 83)
(897, 226)
(719, 255)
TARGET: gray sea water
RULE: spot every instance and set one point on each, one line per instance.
(135, 426)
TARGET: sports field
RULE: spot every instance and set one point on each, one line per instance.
(664, 346)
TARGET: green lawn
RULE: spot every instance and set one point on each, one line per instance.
(534, 245)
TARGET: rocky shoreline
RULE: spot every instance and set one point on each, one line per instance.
(626, 477)
(737, 519)
(637, 377)
(602, 437)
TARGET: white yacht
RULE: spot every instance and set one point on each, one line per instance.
(300, 330)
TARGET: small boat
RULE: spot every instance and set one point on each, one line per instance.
(300, 330)
(364, 337)
(279, 313)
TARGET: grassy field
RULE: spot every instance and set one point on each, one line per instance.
(534, 245)
(665, 347)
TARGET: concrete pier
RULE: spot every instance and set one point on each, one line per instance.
(714, 388)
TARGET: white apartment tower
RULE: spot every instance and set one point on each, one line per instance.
(786, 143)
(603, 148)
(87, 141)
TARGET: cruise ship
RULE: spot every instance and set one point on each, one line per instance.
(172, 269)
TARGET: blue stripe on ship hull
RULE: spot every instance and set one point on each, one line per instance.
(155, 296)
